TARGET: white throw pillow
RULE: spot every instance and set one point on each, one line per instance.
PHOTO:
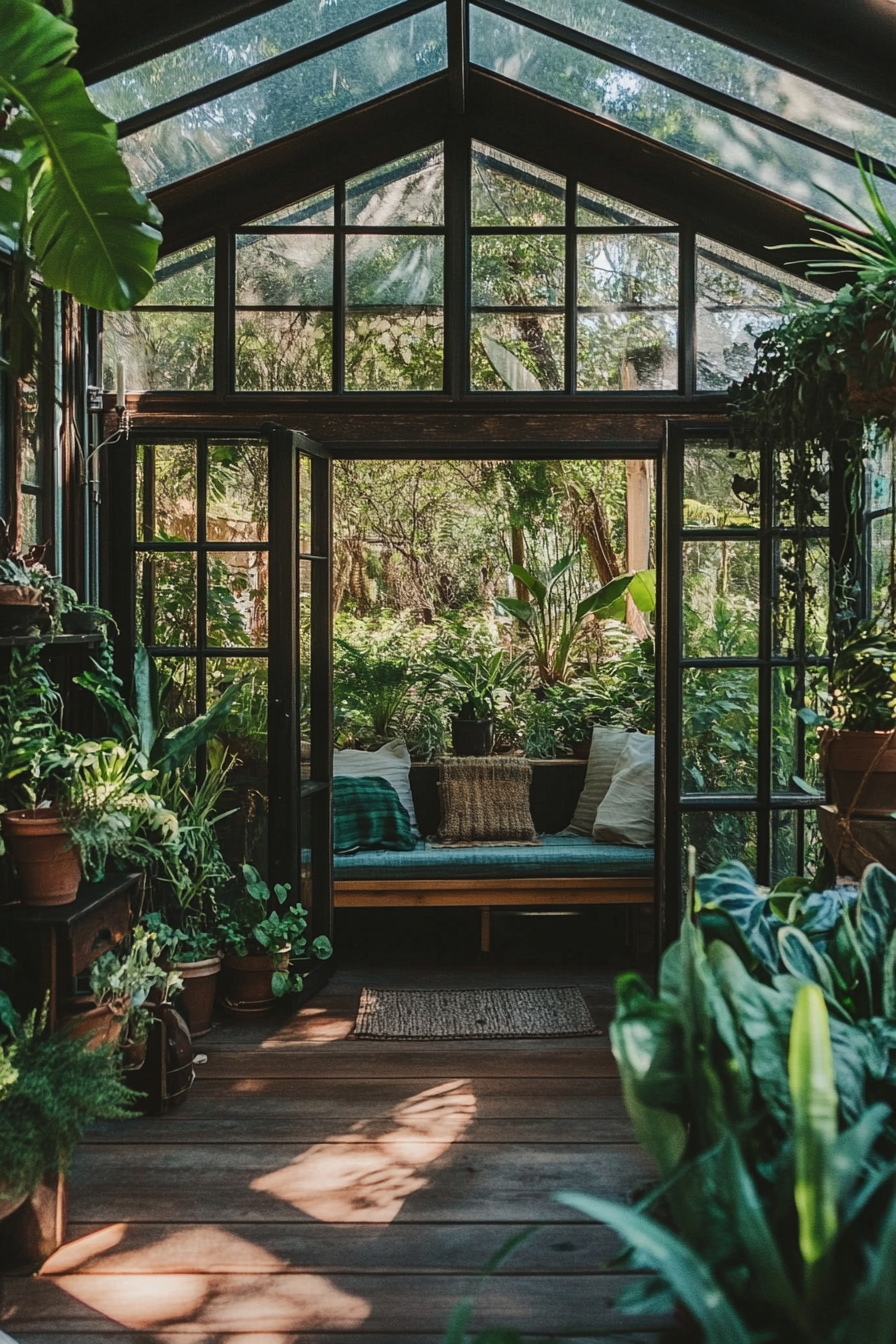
(625, 817)
(607, 745)
(391, 762)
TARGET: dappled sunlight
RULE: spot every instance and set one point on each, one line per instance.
(311, 1026)
(366, 1174)
(154, 1287)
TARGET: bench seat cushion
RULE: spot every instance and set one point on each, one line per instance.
(559, 856)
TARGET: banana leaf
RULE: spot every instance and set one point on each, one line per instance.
(686, 1273)
(176, 747)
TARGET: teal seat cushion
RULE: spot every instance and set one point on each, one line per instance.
(558, 856)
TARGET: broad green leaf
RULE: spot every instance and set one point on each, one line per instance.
(642, 590)
(763, 1016)
(686, 1273)
(876, 910)
(178, 746)
(872, 1315)
(604, 597)
(514, 606)
(732, 889)
(647, 1044)
(91, 233)
(802, 959)
(536, 586)
(815, 1106)
(853, 1148)
(562, 566)
(146, 689)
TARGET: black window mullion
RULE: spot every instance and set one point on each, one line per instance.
(201, 577)
(147, 568)
(765, 717)
(455, 300)
(687, 311)
(224, 376)
(339, 294)
(572, 285)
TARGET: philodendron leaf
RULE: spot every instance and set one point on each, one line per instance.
(876, 910)
(732, 889)
(763, 1016)
(686, 1273)
(537, 587)
(91, 233)
(802, 959)
(813, 1091)
(872, 1315)
(647, 1045)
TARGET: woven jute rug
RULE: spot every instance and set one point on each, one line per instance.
(472, 1014)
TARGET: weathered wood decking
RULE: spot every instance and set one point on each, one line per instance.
(317, 1190)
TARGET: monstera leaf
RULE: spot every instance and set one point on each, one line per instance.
(65, 194)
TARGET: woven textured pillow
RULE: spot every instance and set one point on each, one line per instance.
(625, 817)
(607, 745)
(485, 799)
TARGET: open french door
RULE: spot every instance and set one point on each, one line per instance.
(300, 722)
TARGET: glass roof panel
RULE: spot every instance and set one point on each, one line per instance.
(407, 192)
(288, 101)
(224, 53)
(312, 212)
(727, 70)
(594, 208)
(509, 191)
(738, 298)
(739, 147)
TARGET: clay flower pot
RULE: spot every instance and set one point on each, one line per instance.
(100, 1025)
(246, 983)
(197, 998)
(47, 865)
(847, 757)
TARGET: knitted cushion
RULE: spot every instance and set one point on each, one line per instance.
(485, 798)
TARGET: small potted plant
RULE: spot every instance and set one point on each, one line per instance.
(82, 618)
(474, 687)
(259, 947)
(858, 740)
(193, 953)
(121, 984)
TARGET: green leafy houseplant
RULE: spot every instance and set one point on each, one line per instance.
(126, 979)
(248, 928)
(554, 622)
(475, 685)
(65, 195)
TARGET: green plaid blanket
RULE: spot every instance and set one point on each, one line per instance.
(367, 814)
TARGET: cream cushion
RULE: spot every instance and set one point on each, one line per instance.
(625, 817)
(391, 762)
(607, 745)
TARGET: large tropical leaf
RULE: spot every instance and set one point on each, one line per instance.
(91, 233)
(537, 587)
(876, 910)
(146, 700)
(685, 1272)
(732, 890)
(873, 1316)
(813, 1090)
(802, 959)
(178, 746)
(642, 590)
(514, 606)
(604, 598)
(647, 1044)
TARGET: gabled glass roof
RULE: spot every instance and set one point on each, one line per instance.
(201, 104)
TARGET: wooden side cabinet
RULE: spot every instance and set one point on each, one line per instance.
(53, 944)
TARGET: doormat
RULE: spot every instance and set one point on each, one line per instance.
(472, 1014)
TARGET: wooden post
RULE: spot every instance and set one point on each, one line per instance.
(637, 534)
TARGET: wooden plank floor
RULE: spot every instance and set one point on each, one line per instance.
(316, 1189)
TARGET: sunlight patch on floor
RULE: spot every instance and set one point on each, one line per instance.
(367, 1173)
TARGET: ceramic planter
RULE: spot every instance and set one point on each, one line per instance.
(100, 1025)
(472, 737)
(846, 758)
(20, 609)
(9, 1203)
(197, 998)
(246, 983)
(47, 866)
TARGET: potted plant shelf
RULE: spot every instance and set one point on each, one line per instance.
(259, 947)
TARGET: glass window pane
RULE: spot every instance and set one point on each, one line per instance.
(594, 208)
(761, 156)
(223, 53)
(721, 599)
(409, 191)
(237, 508)
(166, 491)
(519, 270)
(306, 725)
(237, 599)
(628, 312)
(281, 269)
(186, 278)
(313, 212)
(161, 352)
(737, 299)
(30, 520)
(304, 468)
(398, 269)
(788, 697)
(166, 599)
(727, 70)
(517, 352)
(786, 827)
(177, 691)
(718, 837)
(284, 352)
(720, 721)
(287, 102)
(244, 734)
(394, 349)
(506, 190)
(721, 485)
(802, 607)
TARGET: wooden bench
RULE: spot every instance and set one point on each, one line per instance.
(390, 881)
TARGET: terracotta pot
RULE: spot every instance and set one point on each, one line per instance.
(9, 1203)
(100, 1025)
(133, 1055)
(47, 865)
(846, 757)
(197, 998)
(14, 595)
(246, 983)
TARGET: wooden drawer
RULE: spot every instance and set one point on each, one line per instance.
(99, 930)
